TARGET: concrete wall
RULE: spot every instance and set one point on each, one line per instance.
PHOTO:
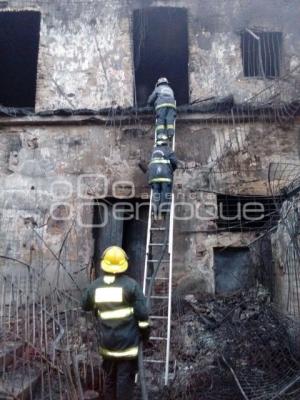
(86, 59)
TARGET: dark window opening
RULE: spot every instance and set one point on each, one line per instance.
(246, 213)
(19, 44)
(160, 38)
(261, 53)
(233, 269)
(121, 223)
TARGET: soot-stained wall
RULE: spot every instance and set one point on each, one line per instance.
(86, 48)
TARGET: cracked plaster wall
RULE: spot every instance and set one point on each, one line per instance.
(47, 190)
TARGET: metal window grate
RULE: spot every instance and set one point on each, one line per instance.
(245, 213)
(261, 53)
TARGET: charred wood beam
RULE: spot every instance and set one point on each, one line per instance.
(211, 105)
(142, 119)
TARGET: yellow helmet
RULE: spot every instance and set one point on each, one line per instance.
(114, 260)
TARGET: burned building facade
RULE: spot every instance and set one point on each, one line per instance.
(74, 131)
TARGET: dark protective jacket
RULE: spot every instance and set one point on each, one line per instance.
(121, 309)
(162, 165)
(162, 96)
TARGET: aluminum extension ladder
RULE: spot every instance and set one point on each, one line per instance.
(159, 250)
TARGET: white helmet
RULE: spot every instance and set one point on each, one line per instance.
(161, 81)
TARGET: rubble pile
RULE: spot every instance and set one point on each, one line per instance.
(231, 347)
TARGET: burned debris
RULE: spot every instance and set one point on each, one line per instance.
(233, 347)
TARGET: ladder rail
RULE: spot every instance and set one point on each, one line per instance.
(173, 139)
(171, 227)
(148, 242)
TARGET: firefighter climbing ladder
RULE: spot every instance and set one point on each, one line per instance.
(157, 287)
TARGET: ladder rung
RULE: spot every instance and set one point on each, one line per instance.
(157, 317)
(158, 244)
(157, 338)
(163, 261)
(158, 229)
(154, 361)
(159, 279)
(159, 297)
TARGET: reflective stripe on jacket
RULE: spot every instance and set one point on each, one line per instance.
(160, 180)
(128, 353)
(159, 161)
(161, 105)
(122, 313)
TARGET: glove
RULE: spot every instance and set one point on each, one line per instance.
(144, 332)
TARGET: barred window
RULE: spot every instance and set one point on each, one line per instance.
(246, 213)
(261, 53)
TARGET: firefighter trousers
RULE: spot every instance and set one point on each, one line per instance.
(161, 196)
(119, 378)
(165, 121)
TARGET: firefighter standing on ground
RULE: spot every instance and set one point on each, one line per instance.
(165, 107)
(162, 165)
(122, 313)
